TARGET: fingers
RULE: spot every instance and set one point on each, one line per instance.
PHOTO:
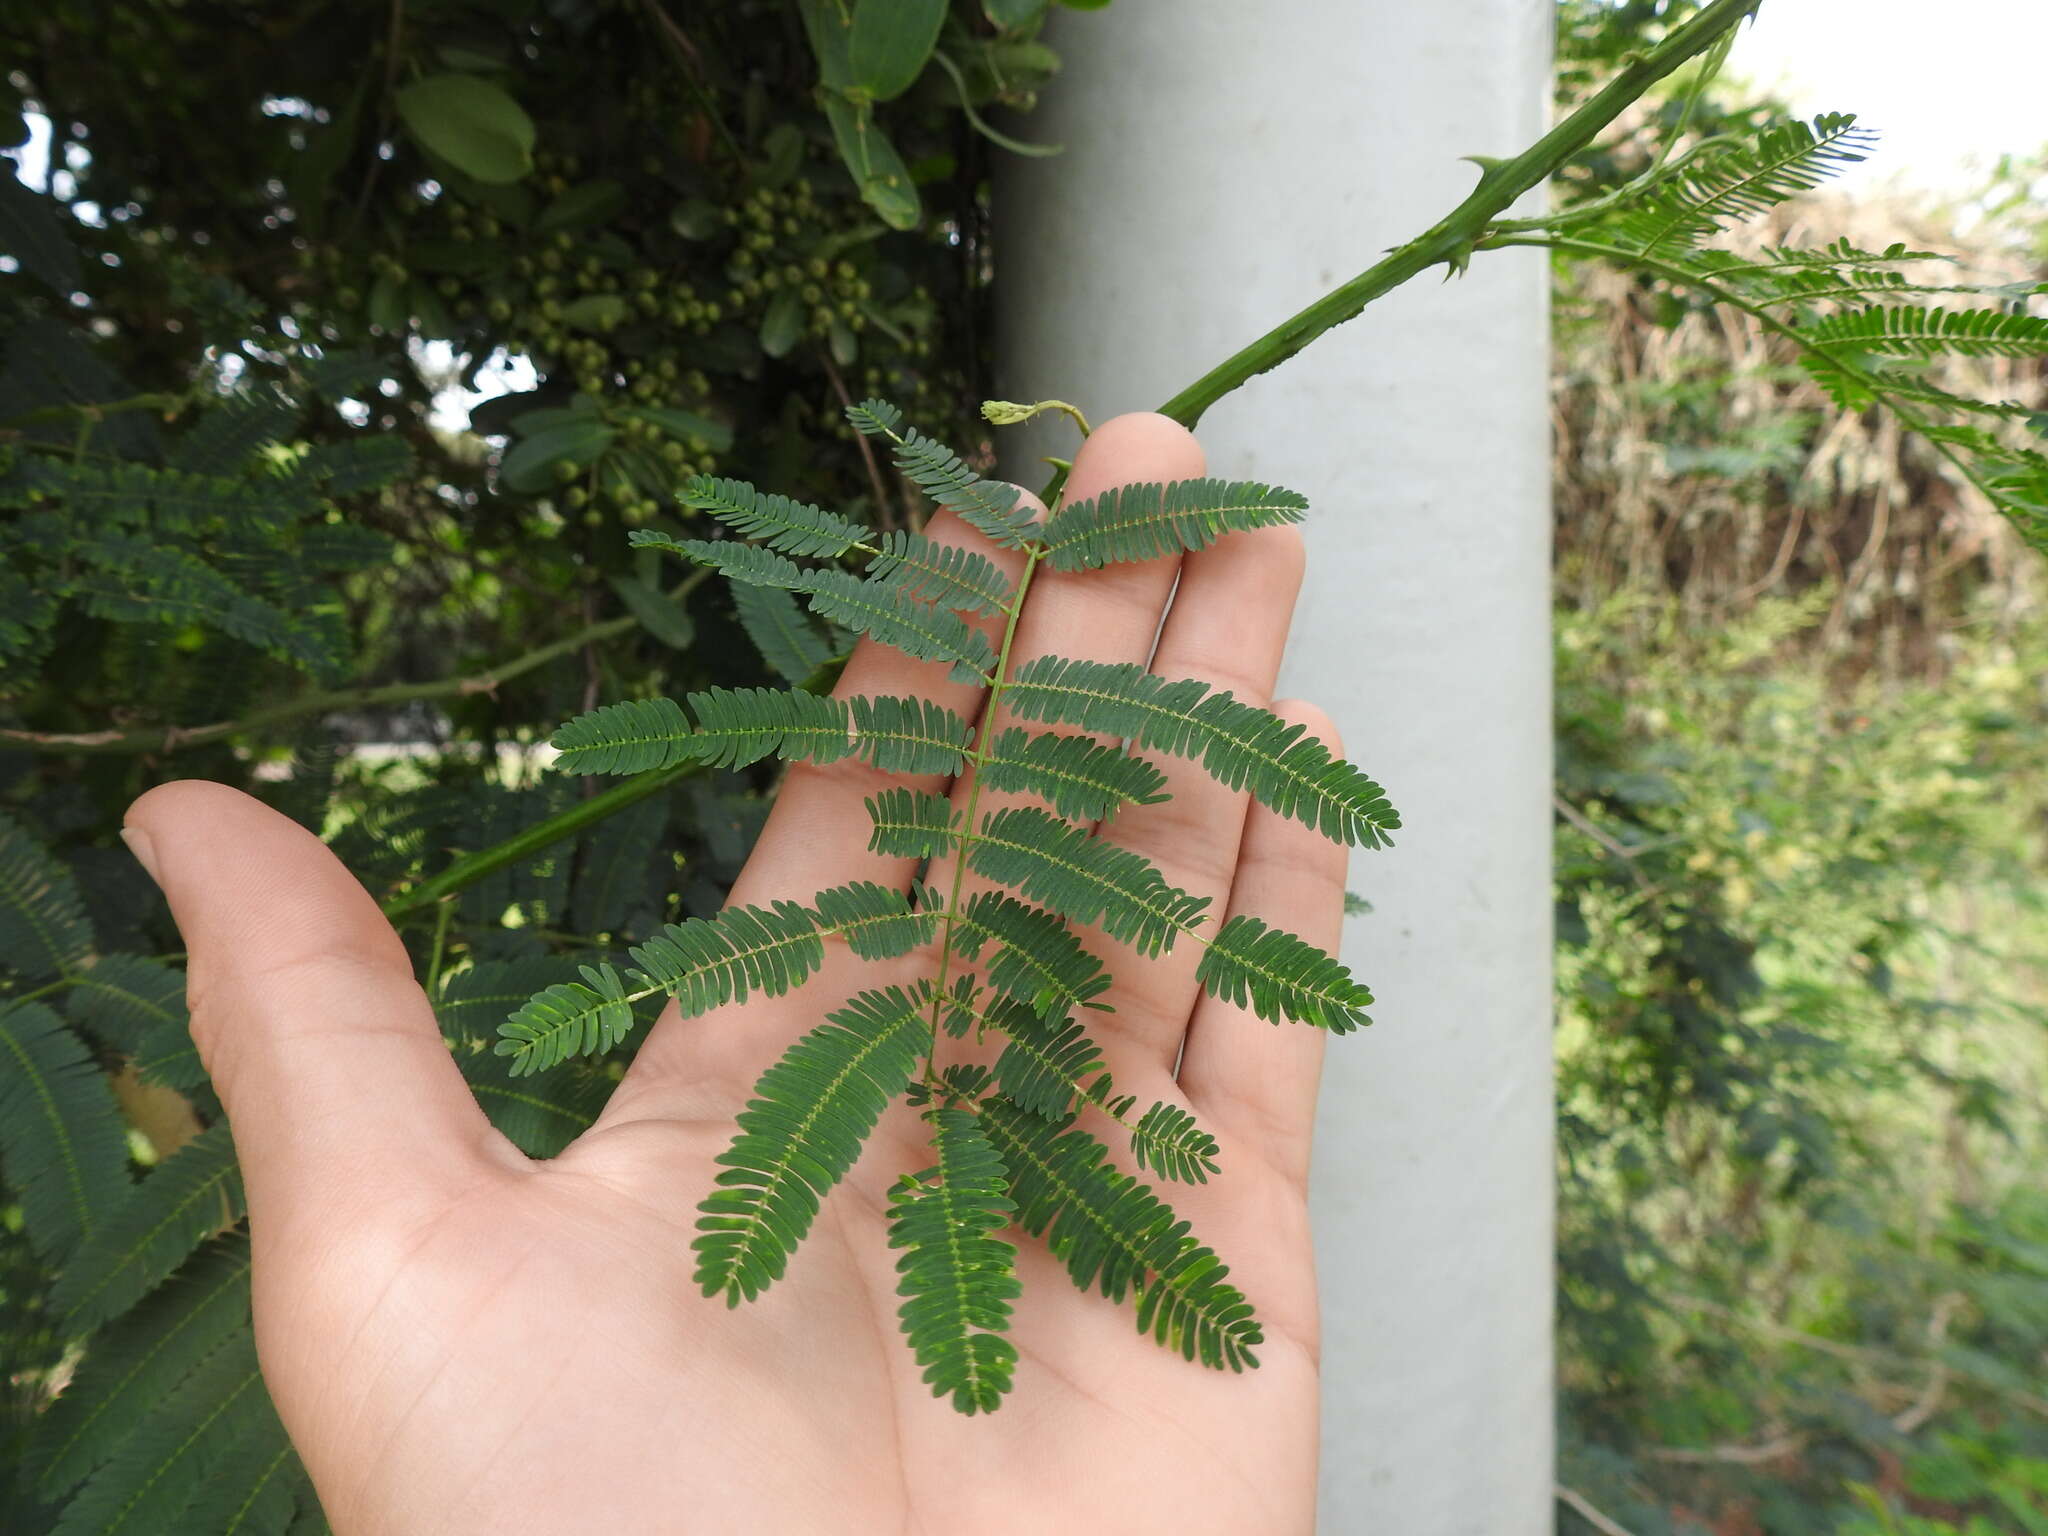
(1254, 1083)
(1227, 628)
(322, 1047)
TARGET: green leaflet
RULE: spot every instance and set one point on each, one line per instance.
(750, 565)
(707, 962)
(63, 1146)
(1078, 776)
(945, 574)
(1278, 975)
(1742, 182)
(992, 508)
(134, 1365)
(907, 823)
(1115, 1235)
(875, 418)
(739, 726)
(1082, 879)
(800, 1133)
(959, 1277)
(1909, 331)
(123, 998)
(43, 930)
(1037, 961)
(895, 619)
(1284, 767)
(790, 527)
(1049, 1067)
(876, 922)
(163, 1465)
(782, 632)
(1170, 1143)
(909, 735)
(568, 1019)
(636, 736)
(1143, 521)
(190, 1196)
(1045, 1062)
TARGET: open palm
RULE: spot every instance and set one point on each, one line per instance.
(460, 1339)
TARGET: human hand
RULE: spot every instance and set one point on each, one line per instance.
(462, 1340)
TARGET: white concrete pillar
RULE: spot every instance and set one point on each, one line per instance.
(1225, 164)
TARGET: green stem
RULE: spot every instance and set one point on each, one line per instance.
(1451, 240)
(984, 733)
(43, 991)
(96, 411)
(470, 868)
(175, 738)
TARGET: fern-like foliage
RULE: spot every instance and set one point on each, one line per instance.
(1034, 957)
(1246, 747)
(1116, 1236)
(800, 1134)
(1142, 521)
(195, 1194)
(1872, 328)
(215, 540)
(167, 1464)
(62, 1144)
(739, 726)
(139, 1361)
(959, 1277)
(1077, 775)
(1744, 180)
(43, 931)
(1009, 968)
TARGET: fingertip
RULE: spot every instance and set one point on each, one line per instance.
(1135, 447)
(1315, 719)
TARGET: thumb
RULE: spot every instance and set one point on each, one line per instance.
(322, 1047)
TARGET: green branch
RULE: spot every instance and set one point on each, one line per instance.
(1451, 240)
(175, 738)
(469, 869)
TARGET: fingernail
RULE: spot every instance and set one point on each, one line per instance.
(145, 851)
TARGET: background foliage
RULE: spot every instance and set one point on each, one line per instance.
(249, 527)
(257, 273)
(1800, 855)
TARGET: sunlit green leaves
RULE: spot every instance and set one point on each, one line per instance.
(471, 123)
